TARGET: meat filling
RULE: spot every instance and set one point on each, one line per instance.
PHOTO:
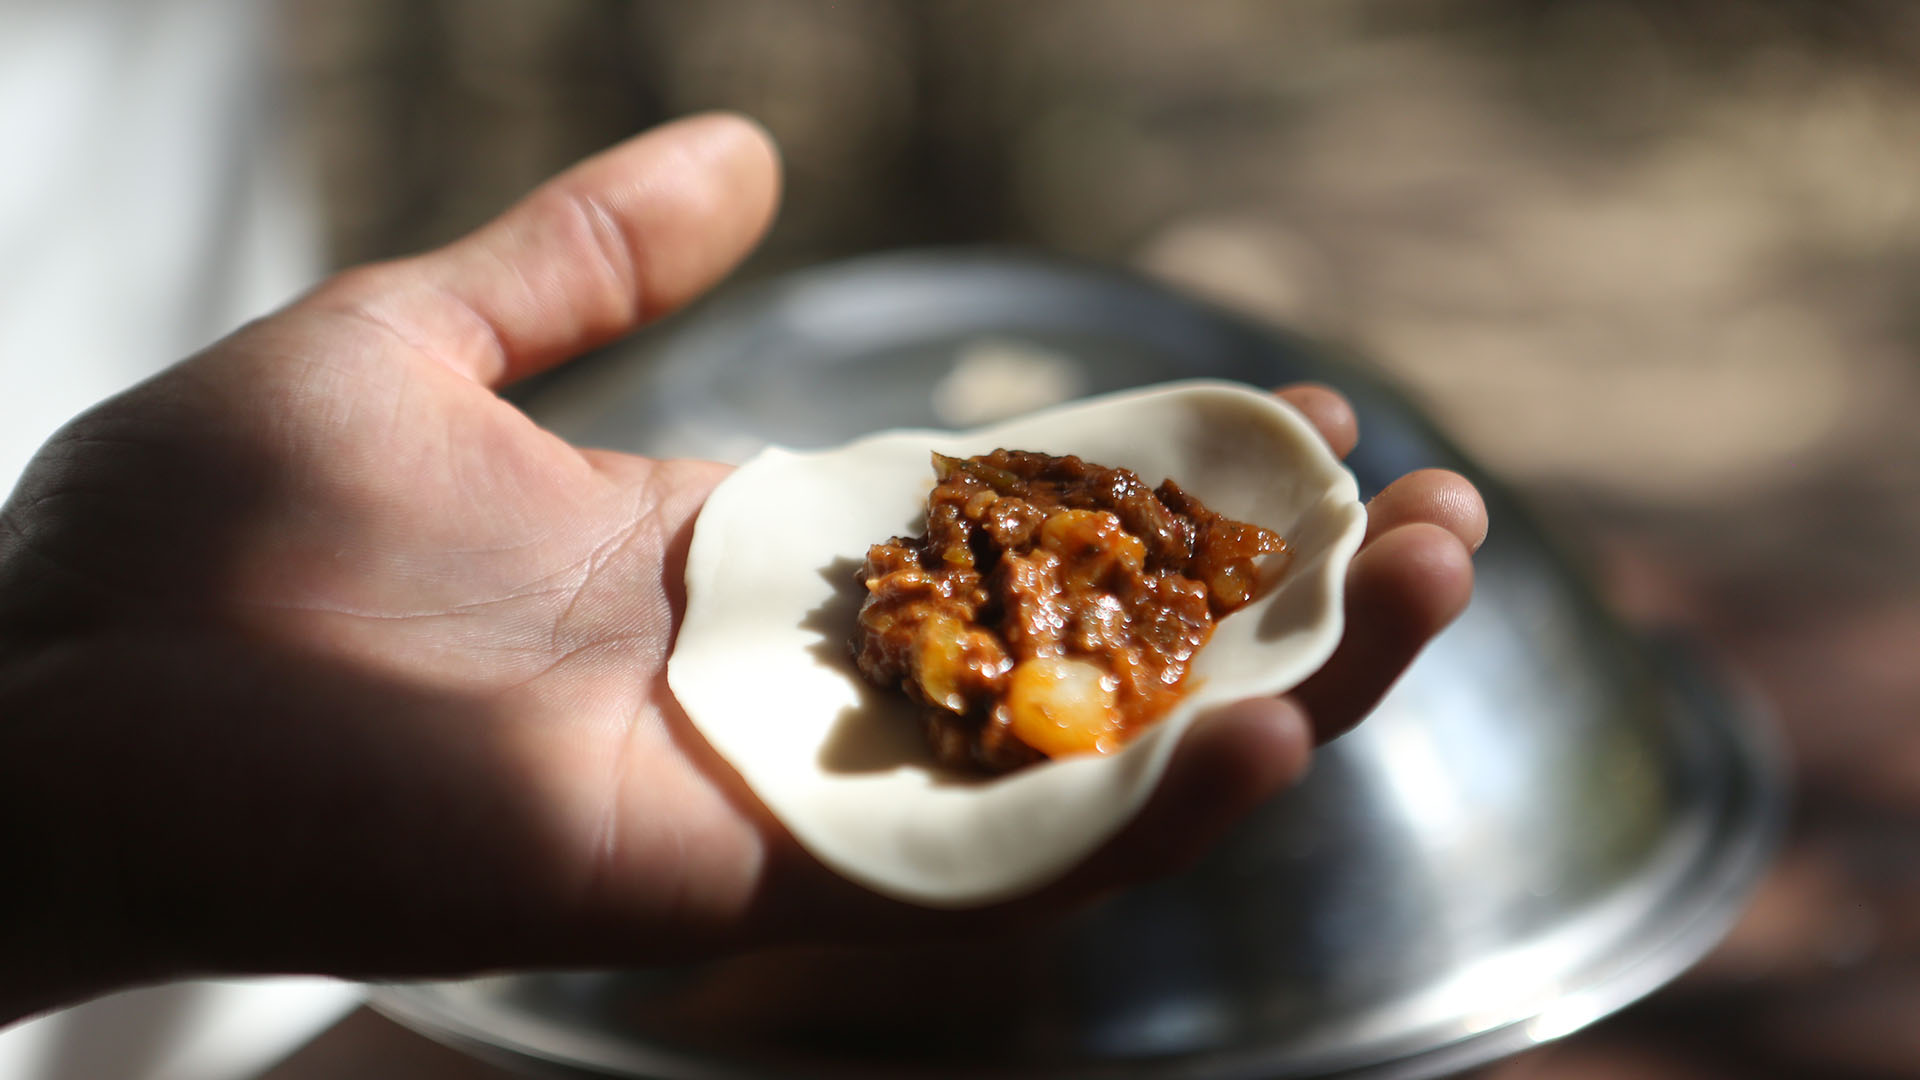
(1052, 607)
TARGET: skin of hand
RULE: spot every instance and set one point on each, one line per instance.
(320, 657)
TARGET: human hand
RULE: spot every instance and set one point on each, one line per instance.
(321, 657)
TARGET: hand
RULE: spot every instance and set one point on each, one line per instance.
(320, 657)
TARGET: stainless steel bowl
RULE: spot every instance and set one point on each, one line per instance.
(1547, 819)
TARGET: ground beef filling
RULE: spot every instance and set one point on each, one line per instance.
(1053, 606)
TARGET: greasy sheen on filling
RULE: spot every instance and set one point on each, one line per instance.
(1052, 607)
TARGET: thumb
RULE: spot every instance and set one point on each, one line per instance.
(608, 245)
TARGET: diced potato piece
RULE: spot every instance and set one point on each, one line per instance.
(1232, 585)
(939, 661)
(1063, 706)
(1076, 534)
(978, 503)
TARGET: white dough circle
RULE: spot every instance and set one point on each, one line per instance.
(762, 664)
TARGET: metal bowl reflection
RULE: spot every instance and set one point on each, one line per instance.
(1545, 820)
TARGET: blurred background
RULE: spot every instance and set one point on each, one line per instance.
(1654, 262)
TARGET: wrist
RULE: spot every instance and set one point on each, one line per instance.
(67, 925)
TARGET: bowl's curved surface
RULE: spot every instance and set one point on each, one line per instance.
(1544, 821)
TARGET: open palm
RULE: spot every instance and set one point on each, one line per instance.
(334, 661)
